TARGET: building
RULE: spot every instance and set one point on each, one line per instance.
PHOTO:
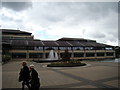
(22, 46)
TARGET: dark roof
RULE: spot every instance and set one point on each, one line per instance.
(19, 43)
(63, 43)
(76, 39)
(54, 43)
(50, 43)
(11, 31)
(35, 43)
(26, 43)
(75, 43)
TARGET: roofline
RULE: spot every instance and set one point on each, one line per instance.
(15, 30)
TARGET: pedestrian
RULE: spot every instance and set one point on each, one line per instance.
(35, 82)
(24, 76)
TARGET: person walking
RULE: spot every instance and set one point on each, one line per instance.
(35, 82)
(24, 76)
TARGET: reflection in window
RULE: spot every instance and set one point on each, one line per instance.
(100, 54)
(78, 48)
(90, 54)
(109, 48)
(109, 53)
(38, 48)
(51, 48)
(18, 55)
(35, 55)
(78, 54)
(89, 48)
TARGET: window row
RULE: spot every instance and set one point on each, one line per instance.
(60, 48)
(40, 55)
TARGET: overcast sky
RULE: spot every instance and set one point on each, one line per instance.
(54, 20)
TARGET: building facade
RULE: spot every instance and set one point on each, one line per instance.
(22, 46)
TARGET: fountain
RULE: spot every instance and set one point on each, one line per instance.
(52, 56)
(117, 60)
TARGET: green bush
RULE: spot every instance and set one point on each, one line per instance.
(66, 64)
(66, 56)
(5, 58)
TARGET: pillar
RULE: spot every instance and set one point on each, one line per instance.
(43, 53)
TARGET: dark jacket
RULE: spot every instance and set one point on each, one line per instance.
(25, 74)
(35, 82)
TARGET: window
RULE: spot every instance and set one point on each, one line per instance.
(90, 54)
(78, 48)
(62, 48)
(100, 54)
(38, 48)
(35, 55)
(18, 55)
(99, 48)
(19, 48)
(109, 48)
(69, 48)
(51, 48)
(30, 48)
(89, 48)
(61, 54)
(78, 54)
(109, 53)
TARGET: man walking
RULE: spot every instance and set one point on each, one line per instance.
(25, 75)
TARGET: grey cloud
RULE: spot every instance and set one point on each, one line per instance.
(17, 6)
(98, 16)
(79, 12)
(5, 18)
(98, 35)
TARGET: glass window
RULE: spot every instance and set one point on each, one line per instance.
(100, 54)
(109, 48)
(89, 48)
(78, 54)
(62, 48)
(61, 54)
(99, 48)
(78, 48)
(51, 48)
(35, 55)
(90, 54)
(109, 53)
(19, 48)
(38, 48)
(30, 48)
(18, 55)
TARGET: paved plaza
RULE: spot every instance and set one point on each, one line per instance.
(94, 75)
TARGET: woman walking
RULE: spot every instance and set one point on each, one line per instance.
(35, 84)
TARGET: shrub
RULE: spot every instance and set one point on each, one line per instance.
(5, 58)
(66, 64)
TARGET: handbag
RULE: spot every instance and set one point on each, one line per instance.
(21, 76)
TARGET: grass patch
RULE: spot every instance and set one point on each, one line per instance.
(66, 64)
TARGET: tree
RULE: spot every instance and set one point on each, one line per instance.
(66, 56)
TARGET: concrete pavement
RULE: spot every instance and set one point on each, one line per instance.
(95, 75)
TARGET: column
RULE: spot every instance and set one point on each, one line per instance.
(84, 54)
(58, 54)
(95, 54)
(43, 53)
(27, 54)
(72, 55)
